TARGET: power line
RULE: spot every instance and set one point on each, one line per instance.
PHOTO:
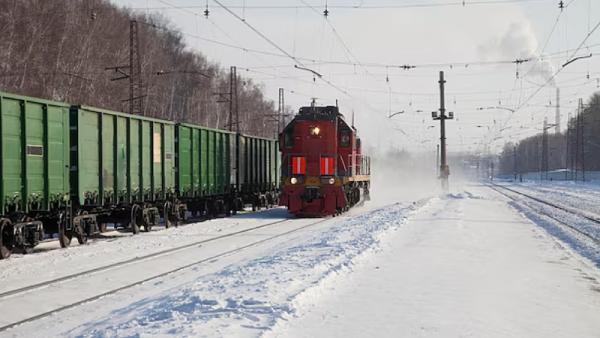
(275, 45)
(562, 67)
(465, 3)
(562, 8)
(551, 78)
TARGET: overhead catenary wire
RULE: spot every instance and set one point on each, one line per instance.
(464, 3)
(554, 75)
(311, 62)
(275, 45)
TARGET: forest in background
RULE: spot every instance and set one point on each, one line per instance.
(576, 149)
(60, 50)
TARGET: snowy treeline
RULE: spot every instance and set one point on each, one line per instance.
(59, 50)
(575, 149)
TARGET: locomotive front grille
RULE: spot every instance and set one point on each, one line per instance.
(311, 193)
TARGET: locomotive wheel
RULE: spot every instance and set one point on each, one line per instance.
(134, 221)
(6, 244)
(80, 233)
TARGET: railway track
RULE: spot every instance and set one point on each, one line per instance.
(565, 209)
(130, 261)
(54, 285)
(122, 232)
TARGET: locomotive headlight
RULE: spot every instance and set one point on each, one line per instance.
(293, 180)
(332, 180)
(315, 131)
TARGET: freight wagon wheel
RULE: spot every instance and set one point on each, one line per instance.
(64, 235)
(149, 220)
(269, 198)
(228, 208)
(136, 218)
(238, 205)
(25, 249)
(6, 238)
(168, 211)
(180, 213)
(80, 232)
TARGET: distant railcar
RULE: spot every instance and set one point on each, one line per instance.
(218, 172)
(71, 170)
(323, 169)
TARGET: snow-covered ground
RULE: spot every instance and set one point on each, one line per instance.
(238, 294)
(464, 264)
(580, 198)
(579, 195)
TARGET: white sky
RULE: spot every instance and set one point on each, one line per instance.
(414, 36)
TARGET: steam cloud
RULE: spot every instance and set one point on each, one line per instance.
(518, 41)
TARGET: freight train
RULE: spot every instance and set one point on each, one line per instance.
(323, 169)
(68, 171)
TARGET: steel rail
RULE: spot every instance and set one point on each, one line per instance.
(568, 210)
(132, 260)
(113, 291)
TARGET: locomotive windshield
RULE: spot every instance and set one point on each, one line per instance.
(288, 138)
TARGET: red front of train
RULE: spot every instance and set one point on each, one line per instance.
(323, 170)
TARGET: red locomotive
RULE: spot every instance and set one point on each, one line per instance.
(323, 170)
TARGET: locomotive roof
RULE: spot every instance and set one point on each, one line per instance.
(329, 113)
(320, 113)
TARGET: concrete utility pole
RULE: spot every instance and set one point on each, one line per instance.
(135, 67)
(582, 126)
(557, 121)
(437, 161)
(231, 97)
(280, 111)
(133, 73)
(568, 148)
(578, 137)
(515, 162)
(444, 168)
(544, 165)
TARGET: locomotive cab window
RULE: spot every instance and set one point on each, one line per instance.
(288, 138)
(345, 139)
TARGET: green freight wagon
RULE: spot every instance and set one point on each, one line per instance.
(34, 169)
(219, 172)
(205, 169)
(72, 170)
(258, 177)
(123, 168)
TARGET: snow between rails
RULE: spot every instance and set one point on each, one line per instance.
(247, 298)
